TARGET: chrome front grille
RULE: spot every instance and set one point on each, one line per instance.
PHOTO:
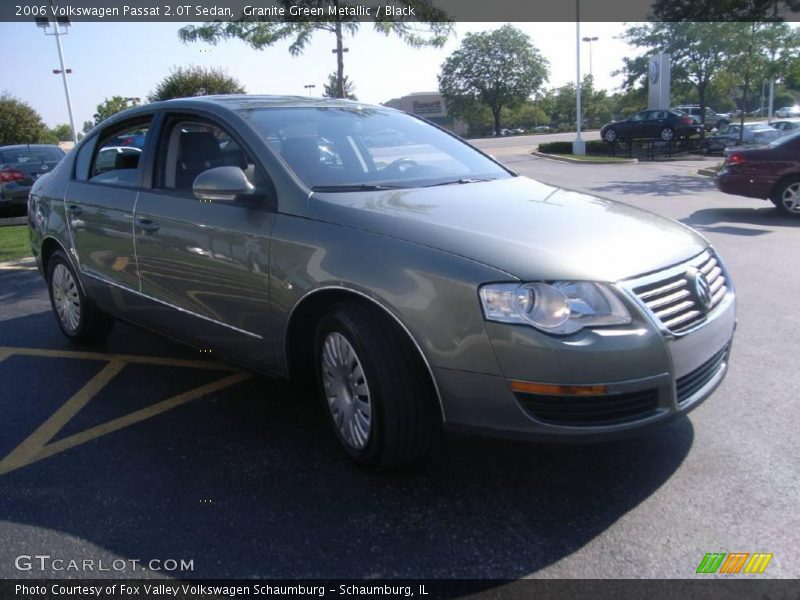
(678, 299)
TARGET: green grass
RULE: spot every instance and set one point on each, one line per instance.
(14, 243)
(589, 158)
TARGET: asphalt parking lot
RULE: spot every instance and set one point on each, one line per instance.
(142, 450)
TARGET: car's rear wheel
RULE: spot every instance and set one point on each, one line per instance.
(610, 136)
(786, 197)
(79, 319)
(667, 134)
(378, 397)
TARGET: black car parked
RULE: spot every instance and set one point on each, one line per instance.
(663, 124)
(20, 166)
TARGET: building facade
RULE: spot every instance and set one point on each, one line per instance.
(431, 106)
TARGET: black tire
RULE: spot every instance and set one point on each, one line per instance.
(667, 134)
(405, 417)
(91, 324)
(782, 188)
(610, 136)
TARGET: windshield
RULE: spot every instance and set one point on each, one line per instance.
(31, 155)
(362, 148)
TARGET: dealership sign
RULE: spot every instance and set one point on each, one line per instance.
(432, 107)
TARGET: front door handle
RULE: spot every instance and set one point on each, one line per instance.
(74, 210)
(147, 225)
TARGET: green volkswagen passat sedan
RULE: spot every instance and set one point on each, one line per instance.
(418, 284)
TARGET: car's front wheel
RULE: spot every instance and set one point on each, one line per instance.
(79, 319)
(377, 394)
(786, 197)
(610, 136)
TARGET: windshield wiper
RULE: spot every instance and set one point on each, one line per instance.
(461, 181)
(360, 187)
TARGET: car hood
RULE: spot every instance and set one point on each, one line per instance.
(526, 228)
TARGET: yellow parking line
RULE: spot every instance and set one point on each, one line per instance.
(27, 451)
(36, 446)
(135, 417)
(129, 358)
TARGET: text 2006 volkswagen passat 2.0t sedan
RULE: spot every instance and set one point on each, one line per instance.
(415, 280)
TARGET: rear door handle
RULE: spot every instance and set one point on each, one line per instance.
(74, 210)
(147, 225)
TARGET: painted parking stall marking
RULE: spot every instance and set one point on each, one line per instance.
(40, 445)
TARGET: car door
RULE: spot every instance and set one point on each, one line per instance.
(632, 127)
(205, 264)
(656, 121)
(99, 201)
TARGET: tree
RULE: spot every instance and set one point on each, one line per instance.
(501, 68)
(87, 126)
(195, 81)
(762, 52)
(108, 107)
(432, 28)
(721, 10)
(331, 89)
(699, 52)
(19, 123)
(527, 115)
(63, 132)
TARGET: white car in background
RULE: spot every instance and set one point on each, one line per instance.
(786, 126)
(788, 111)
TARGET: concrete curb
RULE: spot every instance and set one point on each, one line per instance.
(562, 158)
(707, 172)
(13, 221)
(23, 264)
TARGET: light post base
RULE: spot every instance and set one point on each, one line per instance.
(579, 147)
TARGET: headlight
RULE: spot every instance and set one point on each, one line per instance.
(560, 308)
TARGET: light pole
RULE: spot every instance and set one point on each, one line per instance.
(578, 146)
(590, 40)
(44, 23)
(310, 87)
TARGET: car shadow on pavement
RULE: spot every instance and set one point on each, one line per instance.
(666, 185)
(713, 219)
(249, 482)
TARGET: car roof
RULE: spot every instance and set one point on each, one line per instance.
(23, 146)
(222, 104)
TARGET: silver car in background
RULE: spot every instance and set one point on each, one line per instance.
(752, 134)
(416, 284)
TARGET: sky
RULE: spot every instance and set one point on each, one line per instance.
(129, 59)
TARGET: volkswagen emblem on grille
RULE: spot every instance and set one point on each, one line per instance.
(698, 284)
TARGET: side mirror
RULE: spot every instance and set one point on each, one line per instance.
(222, 184)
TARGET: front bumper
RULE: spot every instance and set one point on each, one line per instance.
(649, 375)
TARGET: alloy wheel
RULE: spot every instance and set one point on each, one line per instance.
(66, 299)
(346, 390)
(790, 198)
